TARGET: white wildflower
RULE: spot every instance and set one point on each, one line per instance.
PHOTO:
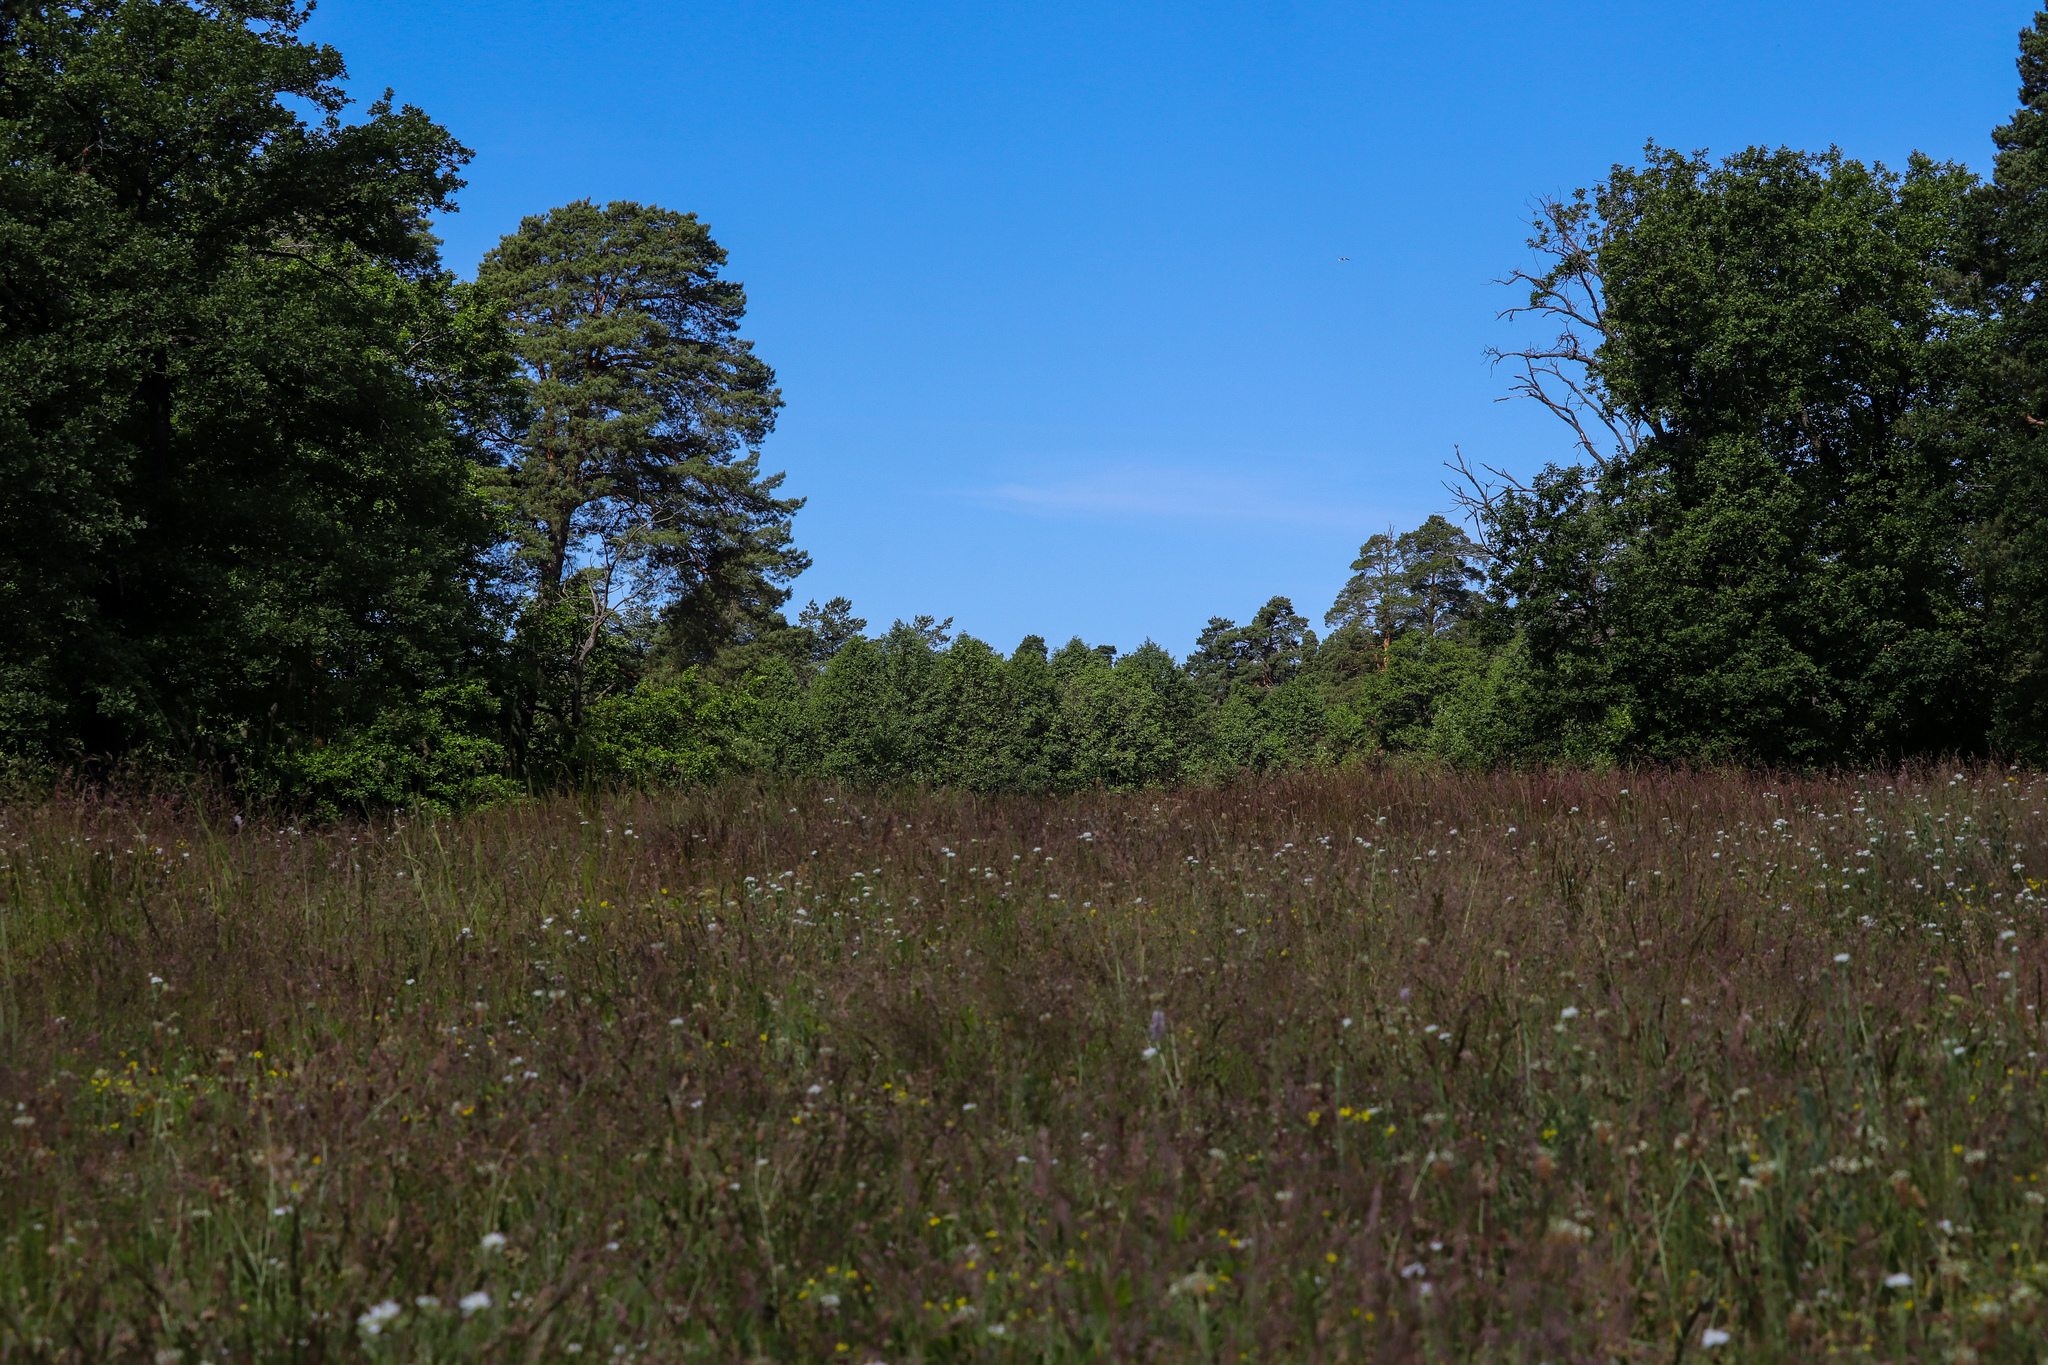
(374, 1318)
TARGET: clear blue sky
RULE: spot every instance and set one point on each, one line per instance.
(1054, 288)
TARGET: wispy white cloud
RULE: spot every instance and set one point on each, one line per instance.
(1159, 492)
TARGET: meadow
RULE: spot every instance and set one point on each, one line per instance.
(1371, 1066)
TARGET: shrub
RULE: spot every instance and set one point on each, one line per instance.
(441, 753)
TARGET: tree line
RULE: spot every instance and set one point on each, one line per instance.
(284, 500)
(916, 703)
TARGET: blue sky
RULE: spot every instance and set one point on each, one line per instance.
(1054, 289)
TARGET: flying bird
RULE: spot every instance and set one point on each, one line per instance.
(1343, 258)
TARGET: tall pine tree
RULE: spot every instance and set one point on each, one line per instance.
(634, 486)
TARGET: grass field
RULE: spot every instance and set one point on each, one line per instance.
(1377, 1066)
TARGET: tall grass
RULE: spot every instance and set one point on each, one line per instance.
(1380, 1066)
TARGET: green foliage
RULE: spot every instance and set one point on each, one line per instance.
(677, 735)
(1182, 709)
(567, 656)
(1113, 730)
(635, 479)
(438, 753)
(235, 391)
(2004, 406)
(899, 709)
(829, 628)
(1264, 652)
(1034, 693)
(1767, 565)
(1404, 638)
(287, 500)
(1402, 701)
(867, 711)
(980, 742)
(1416, 582)
(1500, 713)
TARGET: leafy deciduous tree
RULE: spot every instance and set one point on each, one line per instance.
(233, 384)
(2005, 281)
(1764, 561)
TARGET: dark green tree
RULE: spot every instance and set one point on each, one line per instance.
(977, 744)
(1439, 576)
(1419, 581)
(634, 484)
(831, 627)
(1401, 638)
(1076, 656)
(1104, 721)
(761, 642)
(882, 711)
(2005, 282)
(1183, 708)
(1034, 692)
(1113, 730)
(856, 730)
(1373, 605)
(1761, 558)
(1264, 652)
(240, 509)
(932, 631)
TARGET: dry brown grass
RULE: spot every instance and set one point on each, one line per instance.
(1452, 1068)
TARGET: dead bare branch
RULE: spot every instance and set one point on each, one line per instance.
(1478, 494)
(1563, 373)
